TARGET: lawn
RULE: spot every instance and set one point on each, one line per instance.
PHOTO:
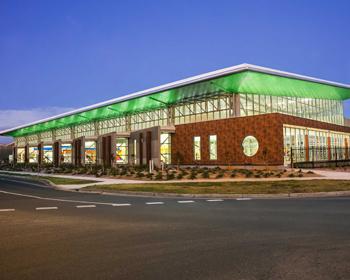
(65, 181)
(54, 180)
(265, 187)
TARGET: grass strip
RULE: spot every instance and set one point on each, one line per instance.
(66, 181)
(266, 187)
(54, 180)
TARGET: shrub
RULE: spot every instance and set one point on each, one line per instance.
(99, 173)
(219, 175)
(179, 176)
(291, 175)
(205, 174)
(170, 176)
(122, 172)
(114, 171)
(139, 174)
(301, 175)
(159, 176)
(193, 175)
(184, 173)
(199, 171)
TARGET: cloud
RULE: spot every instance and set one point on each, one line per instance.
(12, 118)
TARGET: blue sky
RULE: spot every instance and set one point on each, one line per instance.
(58, 55)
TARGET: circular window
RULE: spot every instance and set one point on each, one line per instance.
(250, 146)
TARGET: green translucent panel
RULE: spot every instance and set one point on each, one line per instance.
(242, 82)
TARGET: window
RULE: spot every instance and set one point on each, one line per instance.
(66, 153)
(250, 146)
(165, 148)
(90, 152)
(122, 151)
(197, 147)
(48, 154)
(20, 155)
(213, 153)
(33, 154)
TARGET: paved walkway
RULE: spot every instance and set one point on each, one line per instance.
(322, 174)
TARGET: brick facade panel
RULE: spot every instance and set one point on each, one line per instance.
(267, 128)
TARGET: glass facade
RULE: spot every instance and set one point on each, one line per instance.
(165, 148)
(121, 151)
(47, 154)
(33, 154)
(90, 152)
(324, 110)
(213, 147)
(149, 119)
(305, 144)
(21, 155)
(208, 109)
(197, 147)
(66, 153)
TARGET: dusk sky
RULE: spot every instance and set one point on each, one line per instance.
(59, 55)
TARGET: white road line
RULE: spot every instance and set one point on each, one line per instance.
(57, 199)
(46, 208)
(121, 204)
(215, 200)
(185, 201)
(85, 206)
(244, 198)
(154, 203)
(7, 210)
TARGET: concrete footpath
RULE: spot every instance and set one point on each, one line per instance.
(320, 175)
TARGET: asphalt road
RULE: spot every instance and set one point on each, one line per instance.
(115, 237)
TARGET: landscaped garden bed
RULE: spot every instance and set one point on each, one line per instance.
(166, 174)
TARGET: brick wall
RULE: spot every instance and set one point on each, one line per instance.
(268, 129)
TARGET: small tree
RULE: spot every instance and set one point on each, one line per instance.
(178, 158)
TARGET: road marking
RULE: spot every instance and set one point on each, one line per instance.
(86, 206)
(154, 203)
(121, 204)
(7, 210)
(244, 198)
(215, 200)
(56, 199)
(46, 208)
(185, 201)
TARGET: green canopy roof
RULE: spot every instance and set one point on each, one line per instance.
(246, 81)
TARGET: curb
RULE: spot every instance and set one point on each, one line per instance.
(226, 196)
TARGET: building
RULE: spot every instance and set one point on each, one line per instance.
(242, 115)
(6, 151)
